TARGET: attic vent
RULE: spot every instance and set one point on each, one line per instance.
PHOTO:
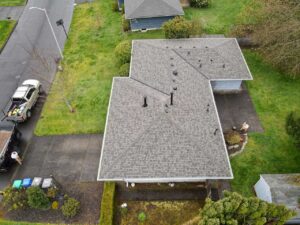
(175, 73)
(145, 102)
(216, 131)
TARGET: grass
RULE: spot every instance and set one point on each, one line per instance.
(6, 27)
(274, 96)
(12, 2)
(161, 212)
(90, 64)
(219, 17)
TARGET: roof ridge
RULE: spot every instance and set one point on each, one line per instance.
(169, 4)
(149, 86)
(133, 11)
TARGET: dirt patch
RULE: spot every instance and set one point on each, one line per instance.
(88, 193)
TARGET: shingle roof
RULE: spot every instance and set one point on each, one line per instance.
(285, 189)
(152, 8)
(183, 141)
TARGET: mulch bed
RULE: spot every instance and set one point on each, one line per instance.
(88, 193)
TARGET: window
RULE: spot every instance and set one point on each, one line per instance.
(29, 94)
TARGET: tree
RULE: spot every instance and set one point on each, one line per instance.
(178, 28)
(292, 126)
(274, 25)
(235, 209)
(123, 52)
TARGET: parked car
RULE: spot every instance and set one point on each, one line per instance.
(23, 100)
(9, 141)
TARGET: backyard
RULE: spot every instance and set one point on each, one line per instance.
(6, 26)
(12, 2)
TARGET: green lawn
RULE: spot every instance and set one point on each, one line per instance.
(218, 18)
(90, 65)
(274, 96)
(12, 2)
(6, 27)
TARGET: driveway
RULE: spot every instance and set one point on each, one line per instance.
(12, 13)
(236, 108)
(68, 157)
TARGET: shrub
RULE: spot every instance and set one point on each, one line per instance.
(55, 205)
(37, 199)
(233, 137)
(200, 3)
(142, 217)
(123, 52)
(196, 27)
(124, 69)
(52, 192)
(125, 24)
(107, 204)
(14, 199)
(177, 28)
(292, 126)
(115, 6)
(70, 207)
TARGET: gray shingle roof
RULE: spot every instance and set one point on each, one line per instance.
(285, 189)
(178, 142)
(152, 8)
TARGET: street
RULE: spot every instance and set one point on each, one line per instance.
(32, 53)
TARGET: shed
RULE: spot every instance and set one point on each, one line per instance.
(150, 14)
(280, 189)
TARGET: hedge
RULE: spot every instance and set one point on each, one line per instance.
(107, 204)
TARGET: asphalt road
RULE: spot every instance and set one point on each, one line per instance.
(32, 53)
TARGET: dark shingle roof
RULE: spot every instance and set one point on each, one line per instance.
(178, 142)
(152, 8)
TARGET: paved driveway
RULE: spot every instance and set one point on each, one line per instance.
(67, 157)
(234, 109)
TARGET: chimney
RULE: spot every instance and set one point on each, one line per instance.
(145, 102)
(171, 98)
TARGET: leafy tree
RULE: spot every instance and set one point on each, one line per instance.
(293, 126)
(235, 209)
(37, 199)
(273, 25)
(178, 28)
(123, 52)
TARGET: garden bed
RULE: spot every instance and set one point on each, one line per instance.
(89, 195)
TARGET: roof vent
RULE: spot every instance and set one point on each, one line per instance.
(166, 108)
(188, 53)
(171, 58)
(174, 80)
(206, 46)
(211, 60)
(145, 102)
(172, 95)
(223, 65)
(199, 60)
(175, 73)
(216, 131)
(180, 47)
(167, 46)
(174, 88)
(194, 46)
(207, 110)
(200, 65)
(172, 64)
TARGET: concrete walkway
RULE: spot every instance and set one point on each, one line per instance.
(68, 157)
(12, 13)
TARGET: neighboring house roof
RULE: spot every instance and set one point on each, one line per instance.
(152, 8)
(163, 142)
(285, 189)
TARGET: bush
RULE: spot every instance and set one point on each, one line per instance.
(14, 199)
(124, 70)
(37, 199)
(196, 27)
(293, 126)
(107, 204)
(200, 3)
(115, 6)
(177, 28)
(52, 192)
(233, 138)
(123, 52)
(125, 24)
(142, 217)
(70, 207)
(55, 205)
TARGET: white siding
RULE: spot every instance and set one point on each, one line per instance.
(262, 190)
(226, 85)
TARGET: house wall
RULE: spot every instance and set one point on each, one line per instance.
(262, 190)
(226, 85)
(148, 23)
